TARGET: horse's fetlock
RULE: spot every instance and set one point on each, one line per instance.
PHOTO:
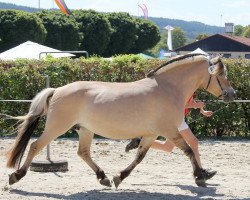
(100, 174)
(21, 173)
(124, 174)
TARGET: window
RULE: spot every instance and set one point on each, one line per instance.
(247, 56)
(227, 55)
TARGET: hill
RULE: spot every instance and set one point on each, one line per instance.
(16, 7)
(192, 28)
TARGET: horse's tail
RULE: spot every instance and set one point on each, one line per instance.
(38, 108)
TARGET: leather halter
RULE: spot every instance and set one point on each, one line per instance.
(223, 92)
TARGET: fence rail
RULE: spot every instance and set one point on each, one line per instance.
(221, 101)
(25, 101)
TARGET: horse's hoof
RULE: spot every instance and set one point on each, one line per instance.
(117, 181)
(200, 182)
(106, 182)
(13, 179)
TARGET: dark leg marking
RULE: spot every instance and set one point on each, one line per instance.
(103, 179)
(16, 176)
(100, 174)
(197, 172)
(125, 173)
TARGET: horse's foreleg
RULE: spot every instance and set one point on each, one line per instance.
(85, 140)
(197, 172)
(141, 152)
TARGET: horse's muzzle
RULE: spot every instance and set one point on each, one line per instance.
(228, 95)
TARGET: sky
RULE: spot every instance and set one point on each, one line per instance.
(212, 12)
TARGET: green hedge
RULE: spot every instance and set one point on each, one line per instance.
(23, 79)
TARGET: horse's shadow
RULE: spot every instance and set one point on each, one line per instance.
(209, 192)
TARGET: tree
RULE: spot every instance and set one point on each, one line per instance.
(96, 31)
(148, 35)
(238, 30)
(62, 30)
(17, 27)
(201, 36)
(178, 37)
(246, 32)
(124, 33)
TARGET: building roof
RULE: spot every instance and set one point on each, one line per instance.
(219, 42)
(242, 40)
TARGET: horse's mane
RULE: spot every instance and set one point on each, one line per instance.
(180, 58)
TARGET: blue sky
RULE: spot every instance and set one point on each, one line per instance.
(213, 12)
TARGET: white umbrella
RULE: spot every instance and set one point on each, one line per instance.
(198, 50)
(31, 50)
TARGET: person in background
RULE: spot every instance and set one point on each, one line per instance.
(187, 135)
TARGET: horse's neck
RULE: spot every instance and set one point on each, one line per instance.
(184, 80)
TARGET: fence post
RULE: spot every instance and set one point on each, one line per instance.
(48, 146)
(49, 165)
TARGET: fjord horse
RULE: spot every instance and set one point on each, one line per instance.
(146, 108)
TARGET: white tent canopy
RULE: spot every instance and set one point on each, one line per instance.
(198, 50)
(31, 50)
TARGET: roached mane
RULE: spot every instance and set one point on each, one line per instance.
(153, 72)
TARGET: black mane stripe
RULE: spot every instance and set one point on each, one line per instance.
(151, 73)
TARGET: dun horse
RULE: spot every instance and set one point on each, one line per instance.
(146, 108)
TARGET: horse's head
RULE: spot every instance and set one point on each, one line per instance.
(217, 83)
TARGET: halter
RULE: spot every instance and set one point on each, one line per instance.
(223, 92)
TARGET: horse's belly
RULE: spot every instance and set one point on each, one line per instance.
(116, 123)
(121, 117)
(115, 129)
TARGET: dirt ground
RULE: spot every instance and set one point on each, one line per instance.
(159, 176)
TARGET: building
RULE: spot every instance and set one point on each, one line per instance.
(228, 45)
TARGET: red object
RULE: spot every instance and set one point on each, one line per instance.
(144, 10)
(61, 4)
(187, 110)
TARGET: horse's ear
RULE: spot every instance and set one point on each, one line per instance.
(216, 59)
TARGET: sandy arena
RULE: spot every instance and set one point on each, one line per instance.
(159, 176)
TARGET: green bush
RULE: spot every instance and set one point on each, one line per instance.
(23, 79)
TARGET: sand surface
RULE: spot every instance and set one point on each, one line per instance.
(159, 176)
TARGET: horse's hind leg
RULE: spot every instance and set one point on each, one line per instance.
(85, 140)
(141, 152)
(197, 172)
(53, 129)
(35, 148)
